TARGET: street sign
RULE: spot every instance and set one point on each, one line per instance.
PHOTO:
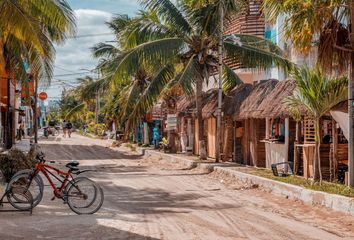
(171, 123)
(43, 96)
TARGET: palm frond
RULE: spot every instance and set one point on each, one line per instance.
(150, 95)
(169, 13)
(315, 93)
(104, 50)
(75, 110)
(254, 52)
(156, 52)
(230, 79)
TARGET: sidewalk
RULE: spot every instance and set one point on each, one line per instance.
(23, 145)
(308, 196)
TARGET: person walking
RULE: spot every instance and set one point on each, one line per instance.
(63, 125)
(69, 126)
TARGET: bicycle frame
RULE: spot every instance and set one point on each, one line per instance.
(42, 167)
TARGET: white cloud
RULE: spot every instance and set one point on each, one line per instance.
(75, 54)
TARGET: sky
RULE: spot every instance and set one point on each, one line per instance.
(74, 55)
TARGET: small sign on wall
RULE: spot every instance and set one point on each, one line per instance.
(171, 122)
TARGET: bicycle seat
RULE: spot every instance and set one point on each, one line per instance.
(73, 165)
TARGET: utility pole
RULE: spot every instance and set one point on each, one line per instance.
(351, 102)
(220, 50)
(8, 126)
(35, 116)
(98, 100)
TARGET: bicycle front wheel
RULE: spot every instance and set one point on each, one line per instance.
(84, 196)
(24, 182)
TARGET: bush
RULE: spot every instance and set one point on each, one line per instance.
(97, 129)
(14, 161)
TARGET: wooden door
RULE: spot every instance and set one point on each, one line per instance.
(196, 137)
(211, 137)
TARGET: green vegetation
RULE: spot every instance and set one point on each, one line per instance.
(315, 95)
(327, 187)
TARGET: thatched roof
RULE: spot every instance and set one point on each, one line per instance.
(232, 102)
(273, 105)
(249, 107)
(341, 107)
(185, 104)
(210, 102)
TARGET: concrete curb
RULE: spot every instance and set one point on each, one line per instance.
(308, 196)
(166, 158)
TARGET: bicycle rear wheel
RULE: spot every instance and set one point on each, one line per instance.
(84, 196)
(24, 182)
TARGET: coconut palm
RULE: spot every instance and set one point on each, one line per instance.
(28, 30)
(315, 23)
(315, 95)
(186, 37)
(132, 95)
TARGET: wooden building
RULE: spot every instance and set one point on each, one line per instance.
(251, 126)
(232, 128)
(280, 128)
(210, 104)
(185, 108)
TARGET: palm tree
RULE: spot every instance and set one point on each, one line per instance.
(316, 94)
(28, 30)
(131, 96)
(327, 24)
(186, 36)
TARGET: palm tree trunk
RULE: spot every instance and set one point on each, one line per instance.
(218, 123)
(351, 102)
(317, 160)
(199, 99)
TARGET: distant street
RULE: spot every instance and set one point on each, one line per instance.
(147, 200)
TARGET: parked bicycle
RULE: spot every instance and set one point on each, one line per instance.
(83, 195)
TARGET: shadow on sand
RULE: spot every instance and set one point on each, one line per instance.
(83, 152)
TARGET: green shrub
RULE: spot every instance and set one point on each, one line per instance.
(97, 129)
(14, 161)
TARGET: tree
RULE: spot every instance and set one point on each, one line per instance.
(185, 36)
(329, 25)
(316, 94)
(28, 29)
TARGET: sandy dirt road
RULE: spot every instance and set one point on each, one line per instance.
(147, 200)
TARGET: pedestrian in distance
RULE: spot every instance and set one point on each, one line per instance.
(69, 126)
(63, 125)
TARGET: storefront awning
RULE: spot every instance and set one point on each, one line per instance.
(342, 118)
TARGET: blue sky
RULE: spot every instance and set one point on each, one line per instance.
(75, 55)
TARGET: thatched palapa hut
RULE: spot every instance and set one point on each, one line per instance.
(185, 108)
(232, 130)
(252, 126)
(280, 129)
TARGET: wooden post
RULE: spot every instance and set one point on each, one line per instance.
(334, 163)
(287, 129)
(234, 141)
(146, 133)
(267, 129)
(296, 148)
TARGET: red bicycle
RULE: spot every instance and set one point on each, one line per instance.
(83, 195)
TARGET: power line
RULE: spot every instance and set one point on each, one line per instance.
(90, 35)
(61, 68)
(71, 74)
